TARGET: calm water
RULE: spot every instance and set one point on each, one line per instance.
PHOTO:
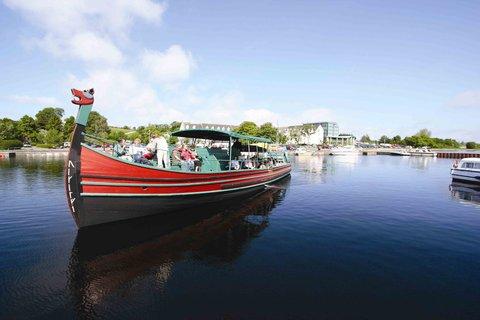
(374, 237)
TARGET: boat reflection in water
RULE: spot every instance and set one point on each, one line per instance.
(108, 258)
(466, 193)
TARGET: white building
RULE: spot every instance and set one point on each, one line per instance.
(309, 133)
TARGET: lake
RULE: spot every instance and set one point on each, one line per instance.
(370, 237)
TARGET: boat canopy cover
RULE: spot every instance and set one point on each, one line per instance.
(210, 134)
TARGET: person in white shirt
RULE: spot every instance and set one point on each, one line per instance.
(159, 146)
(136, 150)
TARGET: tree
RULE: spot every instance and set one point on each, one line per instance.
(175, 126)
(295, 134)
(471, 145)
(365, 138)
(384, 139)
(307, 129)
(8, 129)
(68, 127)
(116, 135)
(397, 140)
(424, 133)
(248, 128)
(49, 118)
(282, 139)
(26, 128)
(159, 129)
(97, 124)
(53, 137)
(267, 130)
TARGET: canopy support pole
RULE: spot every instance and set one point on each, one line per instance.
(230, 154)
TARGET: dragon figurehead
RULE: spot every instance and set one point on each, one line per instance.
(82, 98)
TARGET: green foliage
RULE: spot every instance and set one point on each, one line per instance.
(27, 128)
(68, 128)
(295, 134)
(49, 118)
(175, 126)
(116, 134)
(248, 128)
(365, 138)
(423, 139)
(282, 139)
(8, 130)
(53, 137)
(384, 139)
(307, 129)
(158, 129)
(10, 144)
(396, 140)
(472, 145)
(97, 124)
(424, 133)
(267, 130)
(45, 145)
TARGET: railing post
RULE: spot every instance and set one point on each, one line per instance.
(230, 154)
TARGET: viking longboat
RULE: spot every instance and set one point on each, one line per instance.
(102, 188)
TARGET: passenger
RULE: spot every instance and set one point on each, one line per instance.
(119, 148)
(136, 150)
(196, 162)
(236, 150)
(176, 155)
(159, 146)
(188, 159)
(249, 164)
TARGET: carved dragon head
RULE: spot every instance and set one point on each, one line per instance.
(82, 98)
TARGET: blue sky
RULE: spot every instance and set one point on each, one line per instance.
(373, 66)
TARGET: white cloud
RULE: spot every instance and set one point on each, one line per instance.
(36, 101)
(467, 99)
(172, 66)
(124, 98)
(64, 18)
(85, 29)
(86, 46)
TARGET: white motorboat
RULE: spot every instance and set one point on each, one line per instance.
(466, 170)
(344, 151)
(423, 152)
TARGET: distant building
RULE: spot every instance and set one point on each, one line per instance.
(332, 135)
(320, 133)
(317, 132)
(297, 134)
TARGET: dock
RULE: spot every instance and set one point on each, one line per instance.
(457, 155)
(32, 152)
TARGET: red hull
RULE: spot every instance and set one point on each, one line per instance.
(102, 175)
(104, 189)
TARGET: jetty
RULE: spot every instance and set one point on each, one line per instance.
(457, 155)
(33, 152)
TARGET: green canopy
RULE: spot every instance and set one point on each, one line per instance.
(210, 134)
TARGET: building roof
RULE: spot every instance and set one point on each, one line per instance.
(210, 134)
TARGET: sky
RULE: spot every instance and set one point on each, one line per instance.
(376, 67)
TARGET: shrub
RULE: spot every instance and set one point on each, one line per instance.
(10, 144)
(471, 145)
(45, 145)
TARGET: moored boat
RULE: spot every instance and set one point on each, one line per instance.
(344, 151)
(102, 188)
(466, 170)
